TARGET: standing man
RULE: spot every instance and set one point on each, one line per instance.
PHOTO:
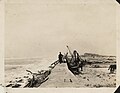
(60, 57)
(76, 57)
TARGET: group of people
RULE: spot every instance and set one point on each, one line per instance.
(75, 59)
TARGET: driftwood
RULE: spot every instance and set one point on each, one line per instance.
(37, 78)
(40, 77)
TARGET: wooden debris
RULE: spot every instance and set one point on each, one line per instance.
(37, 78)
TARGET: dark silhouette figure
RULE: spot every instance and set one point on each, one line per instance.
(76, 57)
(77, 60)
(60, 57)
(112, 68)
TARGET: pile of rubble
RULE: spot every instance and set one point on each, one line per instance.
(32, 79)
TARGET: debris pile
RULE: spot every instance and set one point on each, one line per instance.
(32, 79)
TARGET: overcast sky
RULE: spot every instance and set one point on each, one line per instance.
(37, 30)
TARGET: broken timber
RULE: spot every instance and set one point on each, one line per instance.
(40, 77)
(35, 81)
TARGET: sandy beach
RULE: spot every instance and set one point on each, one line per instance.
(90, 77)
(95, 75)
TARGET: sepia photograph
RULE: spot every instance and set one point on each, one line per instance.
(60, 44)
